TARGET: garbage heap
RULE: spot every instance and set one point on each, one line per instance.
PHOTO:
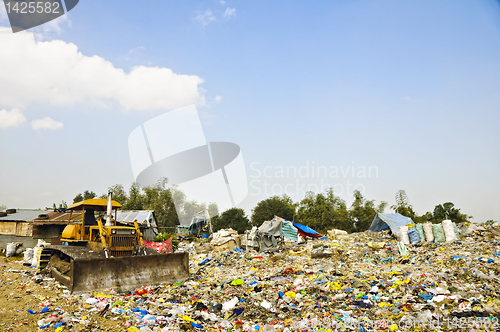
(356, 282)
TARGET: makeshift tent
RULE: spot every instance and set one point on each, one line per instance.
(288, 230)
(269, 234)
(389, 220)
(307, 231)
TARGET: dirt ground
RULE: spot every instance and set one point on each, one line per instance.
(22, 289)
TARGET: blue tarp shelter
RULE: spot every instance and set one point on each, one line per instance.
(389, 220)
(306, 231)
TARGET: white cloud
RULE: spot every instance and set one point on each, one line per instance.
(11, 119)
(218, 99)
(206, 18)
(230, 12)
(136, 49)
(48, 193)
(407, 98)
(46, 123)
(55, 72)
(222, 2)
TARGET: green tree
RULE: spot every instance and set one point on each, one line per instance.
(119, 194)
(363, 212)
(281, 206)
(213, 210)
(233, 218)
(381, 207)
(78, 198)
(447, 211)
(323, 212)
(159, 199)
(135, 199)
(189, 209)
(423, 218)
(89, 195)
(2, 207)
(62, 207)
(403, 205)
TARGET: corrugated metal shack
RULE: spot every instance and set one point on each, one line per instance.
(145, 218)
(18, 227)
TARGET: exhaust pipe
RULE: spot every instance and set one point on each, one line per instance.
(110, 210)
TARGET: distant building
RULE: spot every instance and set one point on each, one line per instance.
(146, 219)
(18, 227)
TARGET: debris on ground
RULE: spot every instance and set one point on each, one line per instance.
(357, 282)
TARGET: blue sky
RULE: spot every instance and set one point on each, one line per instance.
(410, 88)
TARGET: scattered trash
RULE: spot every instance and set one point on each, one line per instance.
(361, 281)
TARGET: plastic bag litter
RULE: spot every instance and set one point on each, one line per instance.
(420, 230)
(250, 239)
(230, 304)
(28, 255)
(457, 232)
(402, 249)
(429, 235)
(473, 227)
(11, 250)
(336, 233)
(403, 234)
(449, 232)
(376, 245)
(438, 232)
(413, 235)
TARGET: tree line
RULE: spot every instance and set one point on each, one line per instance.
(158, 198)
(325, 211)
(320, 211)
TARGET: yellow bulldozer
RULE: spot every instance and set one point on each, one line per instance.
(96, 253)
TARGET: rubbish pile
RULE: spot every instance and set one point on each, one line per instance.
(225, 239)
(357, 282)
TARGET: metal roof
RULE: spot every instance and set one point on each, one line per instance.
(140, 216)
(23, 215)
(61, 216)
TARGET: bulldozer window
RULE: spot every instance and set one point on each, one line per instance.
(89, 218)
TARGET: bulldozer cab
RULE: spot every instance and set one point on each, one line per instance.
(89, 218)
(101, 233)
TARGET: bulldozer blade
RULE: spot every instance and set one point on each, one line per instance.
(128, 273)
